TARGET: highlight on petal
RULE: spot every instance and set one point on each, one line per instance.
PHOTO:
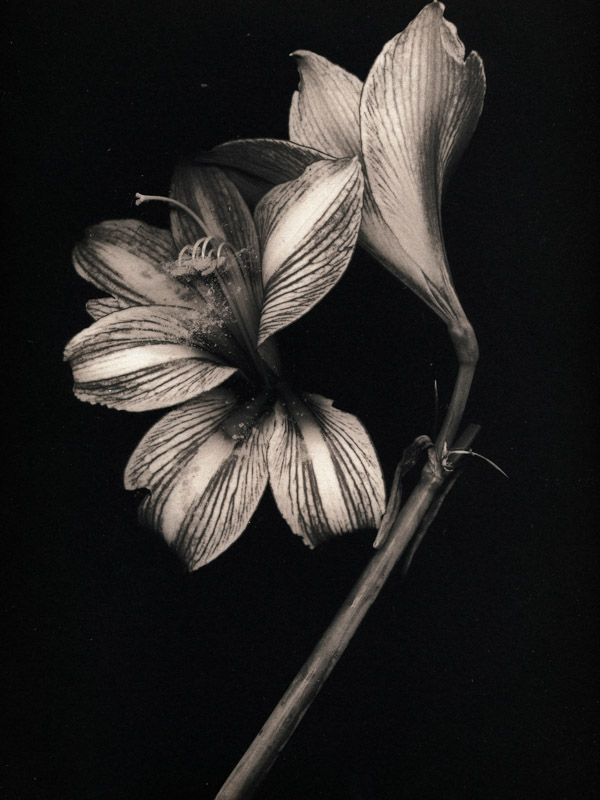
(419, 107)
(323, 469)
(325, 110)
(308, 230)
(255, 165)
(204, 485)
(143, 358)
(125, 259)
(206, 190)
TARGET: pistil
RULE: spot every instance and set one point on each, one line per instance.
(144, 198)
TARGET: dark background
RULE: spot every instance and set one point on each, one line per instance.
(474, 678)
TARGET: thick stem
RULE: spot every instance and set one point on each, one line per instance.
(417, 514)
(276, 731)
(467, 351)
(462, 443)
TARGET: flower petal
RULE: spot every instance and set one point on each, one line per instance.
(420, 105)
(143, 358)
(325, 110)
(323, 468)
(204, 485)
(255, 165)
(125, 258)
(101, 306)
(207, 191)
(308, 229)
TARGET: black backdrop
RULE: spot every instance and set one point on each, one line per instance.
(128, 677)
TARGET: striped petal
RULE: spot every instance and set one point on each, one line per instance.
(420, 105)
(207, 191)
(126, 259)
(204, 485)
(255, 165)
(308, 229)
(101, 306)
(325, 110)
(323, 469)
(143, 358)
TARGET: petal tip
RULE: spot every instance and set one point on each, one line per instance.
(475, 59)
(129, 483)
(302, 59)
(300, 55)
(435, 7)
(433, 14)
(86, 397)
(70, 347)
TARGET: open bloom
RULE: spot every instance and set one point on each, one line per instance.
(189, 322)
(409, 123)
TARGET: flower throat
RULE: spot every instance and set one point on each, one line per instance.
(213, 256)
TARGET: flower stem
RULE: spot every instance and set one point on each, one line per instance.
(469, 434)
(278, 728)
(467, 351)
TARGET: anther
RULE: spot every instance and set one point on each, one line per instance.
(183, 253)
(208, 269)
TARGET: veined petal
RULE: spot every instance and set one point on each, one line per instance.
(308, 229)
(419, 107)
(207, 191)
(380, 240)
(101, 306)
(204, 485)
(143, 358)
(255, 165)
(323, 469)
(325, 110)
(215, 329)
(125, 257)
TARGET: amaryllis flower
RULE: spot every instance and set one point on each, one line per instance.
(409, 123)
(189, 322)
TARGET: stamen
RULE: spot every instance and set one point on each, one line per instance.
(197, 245)
(207, 243)
(209, 268)
(211, 254)
(143, 198)
(222, 247)
(183, 253)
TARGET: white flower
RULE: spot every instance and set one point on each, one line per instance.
(409, 123)
(190, 322)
